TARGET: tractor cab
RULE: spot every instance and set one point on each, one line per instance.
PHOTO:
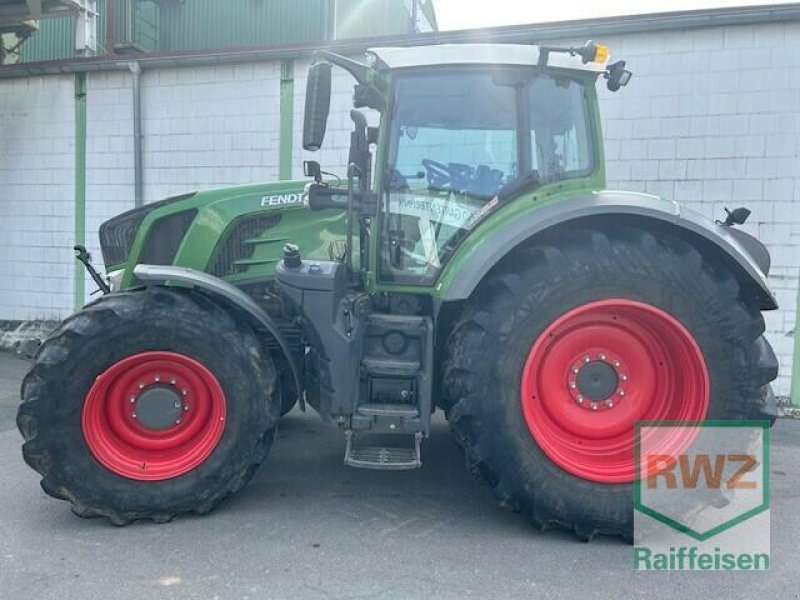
(464, 129)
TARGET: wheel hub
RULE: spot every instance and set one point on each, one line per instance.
(158, 407)
(597, 380)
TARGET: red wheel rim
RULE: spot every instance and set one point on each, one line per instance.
(184, 393)
(651, 361)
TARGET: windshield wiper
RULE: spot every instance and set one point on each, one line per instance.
(514, 188)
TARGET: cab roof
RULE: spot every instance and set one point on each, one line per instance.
(479, 54)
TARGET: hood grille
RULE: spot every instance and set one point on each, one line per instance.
(238, 247)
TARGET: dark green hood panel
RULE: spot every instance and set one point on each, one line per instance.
(243, 227)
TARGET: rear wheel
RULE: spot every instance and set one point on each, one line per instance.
(148, 404)
(574, 340)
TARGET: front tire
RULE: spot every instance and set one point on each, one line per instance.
(577, 337)
(148, 404)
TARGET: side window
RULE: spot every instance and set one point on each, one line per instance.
(458, 139)
(560, 140)
(454, 145)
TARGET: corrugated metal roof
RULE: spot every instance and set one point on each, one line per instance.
(240, 23)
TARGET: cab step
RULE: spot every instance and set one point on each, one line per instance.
(396, 411)
(384, 458)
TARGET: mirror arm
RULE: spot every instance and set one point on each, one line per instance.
(355, 68)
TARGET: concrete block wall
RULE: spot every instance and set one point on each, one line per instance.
(711, 118)
(209, 127)
(37, 157)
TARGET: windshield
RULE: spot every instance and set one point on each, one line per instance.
(461, 138)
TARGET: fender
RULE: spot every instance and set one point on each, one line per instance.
(215, 286)
(749, 256)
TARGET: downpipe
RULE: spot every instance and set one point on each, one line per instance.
(138, 178)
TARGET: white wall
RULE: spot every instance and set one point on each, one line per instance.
(37, 157)
(209, 127)
(711, 118)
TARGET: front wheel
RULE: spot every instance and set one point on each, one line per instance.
(148, 404)
(574, 340)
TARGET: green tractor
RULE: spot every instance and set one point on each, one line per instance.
(469, 259)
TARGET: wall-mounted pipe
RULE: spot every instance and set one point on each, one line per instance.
(79, 290)
(138, 176)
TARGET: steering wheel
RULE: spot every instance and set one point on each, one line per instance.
(438, 174)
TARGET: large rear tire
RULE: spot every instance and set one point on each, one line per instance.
(574, 339)
(148, 404)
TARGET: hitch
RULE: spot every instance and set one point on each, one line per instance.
(82, 254)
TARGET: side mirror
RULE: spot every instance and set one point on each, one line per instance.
(311, 168)
(323, 197)
(617, 76)
(318, 105)
(737, 216)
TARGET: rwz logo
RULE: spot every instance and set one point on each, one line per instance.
(702, 478)
(691, 467)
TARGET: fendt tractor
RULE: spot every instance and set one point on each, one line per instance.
(468, 258)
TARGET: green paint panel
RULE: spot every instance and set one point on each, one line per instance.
(136, 23)
(55, 40)
(368, 18)
(177, 26)
(201, 24)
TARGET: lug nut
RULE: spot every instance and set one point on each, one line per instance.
(572, 385)
(602, 357)
(133, 415)
(594, 406)
(172, 382)
(141, 386)
(621, 392)
(133, 399)
(616, 363)
(157, 378)
(177, 421)
(185, 407)
(623, 377)
(587, 359)
(610, 403)
(579, 399)
(576, 371)
(184, 393)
